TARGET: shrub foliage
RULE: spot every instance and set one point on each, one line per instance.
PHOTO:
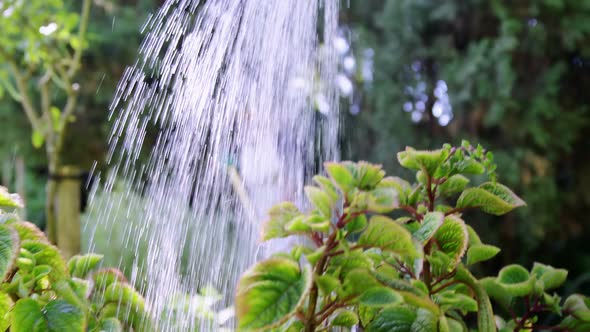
(388, 255)
(41, 291)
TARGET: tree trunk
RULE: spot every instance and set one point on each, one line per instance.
(62, 202)
(67, 210)
(51, 196)
(6, 173)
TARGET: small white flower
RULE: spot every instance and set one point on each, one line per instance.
(48, 29)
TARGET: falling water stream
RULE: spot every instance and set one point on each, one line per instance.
(229, 86)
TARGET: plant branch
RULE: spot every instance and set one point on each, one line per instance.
(11, 89)
(412, 210)
(25, 99)
(431, 194)
(84, 17)
(443, 286)
(310, 322)
(461, 209)
(324, 314)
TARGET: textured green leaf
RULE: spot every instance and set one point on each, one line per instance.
(63, 316)
(455, 325)
(386, 234)
(440, 263)
(485, 313)
(416, 195)
(516, 280)
(125, 315)
(9, 245)
(453, 184)
(104, 277)
(473, 237)
(341, 176)
(297, 225)
(41, 271)
(314, 256)
(481, 252)
(430, 224)
(417, 160)
(450, 300)
(81, 287)
(402, 187)
(8, 200)
(367, 313)
(280, 215)
(382, 200)
(270, 292)
(577, 305)
(345, 318)
(28, 317)
(513, 274)
(64, 291)
(574, 324)
(29, 231)
(380, 296)
(358, 281)
(497, 292)
(492, 198)
(320, 200)
(357, 224)
(470, 166)
(79, 266)
(550, 276)
(111, 325)
(367, 175)
(5, 308)
(349, 261)
(305, 224)
(125, 294)
(48, 255)
(397, 318)
(452, 237)
(327, 283)
(425, 321)
(327, 186)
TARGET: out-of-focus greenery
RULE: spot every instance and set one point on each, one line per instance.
(517, 76)
(112, 42)
(41, 291)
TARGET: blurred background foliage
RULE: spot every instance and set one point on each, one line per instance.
(513, 76)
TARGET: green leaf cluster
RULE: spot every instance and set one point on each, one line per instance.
(388, 255)
(40, 291)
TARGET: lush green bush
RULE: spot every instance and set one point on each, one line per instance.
(40, 291)
(409, 272)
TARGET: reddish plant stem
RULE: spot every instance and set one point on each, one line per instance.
(430, 193)
(443, 286)
(331, 311)
(531, 309)
(412, 211)
(444, 277)
(310, 322)
(461, 209)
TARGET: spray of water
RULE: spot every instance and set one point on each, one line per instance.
(230, 86)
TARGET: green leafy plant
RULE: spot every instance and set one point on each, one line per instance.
(388, 255)
(40, 291)
(41, 54)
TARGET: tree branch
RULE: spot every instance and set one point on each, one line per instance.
(25, 99)
(84, 17)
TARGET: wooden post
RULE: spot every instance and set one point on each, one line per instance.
(67, 211)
